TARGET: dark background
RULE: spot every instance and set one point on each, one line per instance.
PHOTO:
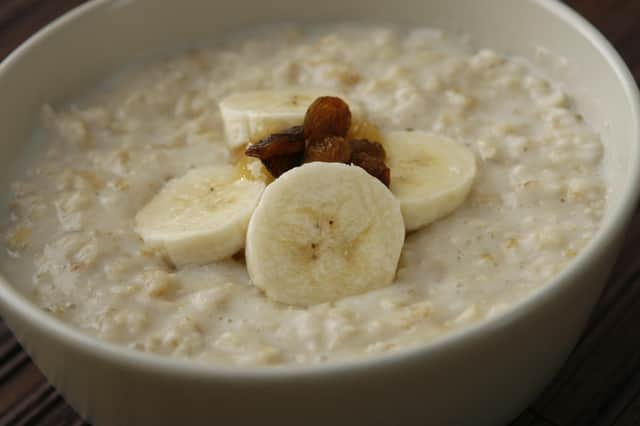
(599, 384)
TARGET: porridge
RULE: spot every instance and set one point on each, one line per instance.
(73, 241)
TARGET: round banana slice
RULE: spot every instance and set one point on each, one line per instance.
(249, 116)
(200, 217)
(324, 231)
(431, 175)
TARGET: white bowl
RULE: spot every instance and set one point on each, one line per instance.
(479, 376)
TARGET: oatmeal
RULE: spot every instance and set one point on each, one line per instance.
(70, 238)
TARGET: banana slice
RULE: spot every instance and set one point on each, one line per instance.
(249, 116)
(200, 217)
(431, 175)
(323, 231)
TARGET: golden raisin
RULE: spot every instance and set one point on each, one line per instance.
(279, 164)
(372, 165)
(289, 141)
(332, 149)
(326, 116)
(374, 149)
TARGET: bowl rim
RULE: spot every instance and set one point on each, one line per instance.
(167, 365)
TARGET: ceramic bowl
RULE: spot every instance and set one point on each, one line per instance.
(482, 375)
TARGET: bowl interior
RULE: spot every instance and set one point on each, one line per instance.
(77, 53)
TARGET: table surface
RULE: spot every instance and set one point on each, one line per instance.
(598, 385)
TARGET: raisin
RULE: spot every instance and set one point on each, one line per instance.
(374, 166)
(289, 141)
(374, 149)
(279, 164)
(322, 137)
(327, 116)
(332, 149)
